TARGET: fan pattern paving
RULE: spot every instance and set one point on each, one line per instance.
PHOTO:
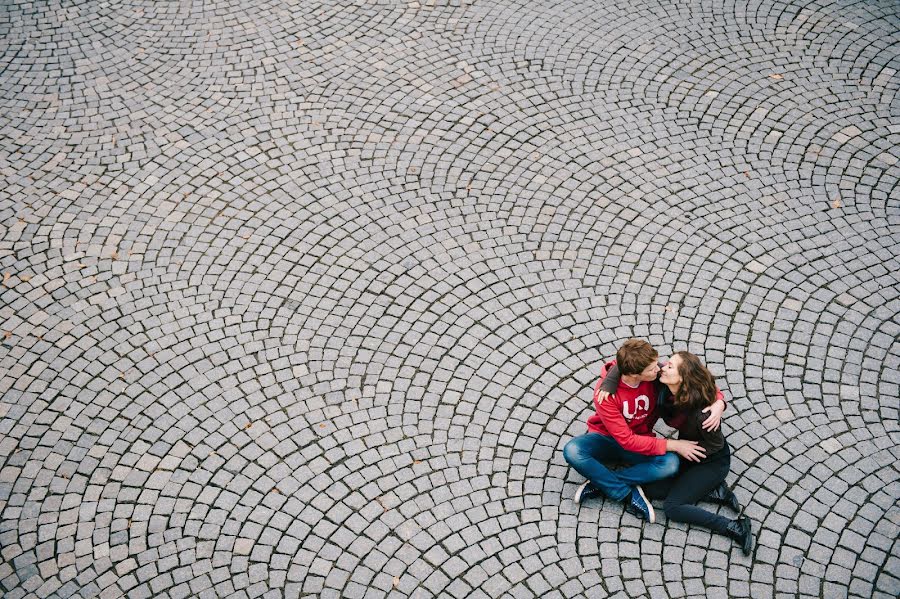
(304, 298)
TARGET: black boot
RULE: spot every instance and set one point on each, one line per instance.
(739, 530)
(724, 496)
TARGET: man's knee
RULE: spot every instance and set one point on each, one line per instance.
(668, 464)
(573, 452)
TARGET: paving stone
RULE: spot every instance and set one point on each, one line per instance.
(307, 299)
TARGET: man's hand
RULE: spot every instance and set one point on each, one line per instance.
(601, 396)
(714, 420)
(689, 450)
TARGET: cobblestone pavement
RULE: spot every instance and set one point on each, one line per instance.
(304, 298)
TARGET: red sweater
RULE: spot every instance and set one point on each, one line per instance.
(628, 416)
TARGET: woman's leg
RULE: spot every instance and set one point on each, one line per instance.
(691, 485)
(659, 489)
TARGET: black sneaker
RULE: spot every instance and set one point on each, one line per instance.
(638, 505)
(586, 491)
(724, 496)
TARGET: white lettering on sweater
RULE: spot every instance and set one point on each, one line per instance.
(641, 404)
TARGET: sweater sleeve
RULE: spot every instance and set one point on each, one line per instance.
(611, 414)
(720, 395)
(611, 382)
(665, 409)
(711, 441)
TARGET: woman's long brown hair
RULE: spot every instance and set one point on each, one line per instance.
(698, 385)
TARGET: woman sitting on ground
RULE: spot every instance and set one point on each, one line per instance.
(686, 387)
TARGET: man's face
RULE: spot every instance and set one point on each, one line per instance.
(650, 372)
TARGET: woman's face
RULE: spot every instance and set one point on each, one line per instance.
(670, 374)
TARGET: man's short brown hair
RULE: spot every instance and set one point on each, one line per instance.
(635, 355)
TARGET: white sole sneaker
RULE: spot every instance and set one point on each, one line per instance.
(581, 491)
(652, 517)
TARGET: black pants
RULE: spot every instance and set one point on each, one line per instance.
(693, 482)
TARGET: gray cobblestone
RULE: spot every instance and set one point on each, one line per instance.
(305, 300)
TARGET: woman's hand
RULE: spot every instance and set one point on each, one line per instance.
(601, 396)
(714, 420)
(689, 450)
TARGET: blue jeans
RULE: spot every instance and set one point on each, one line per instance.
(587, 452)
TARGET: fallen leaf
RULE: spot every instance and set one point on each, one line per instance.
(417, 461)
(836, 203)
(6, 277)
(396, 581)
(248, 425)
(462, 80)
(114, 255)
(25, 278)
(7, 334)
(776, 76)
(747, 174)
(323, 425)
